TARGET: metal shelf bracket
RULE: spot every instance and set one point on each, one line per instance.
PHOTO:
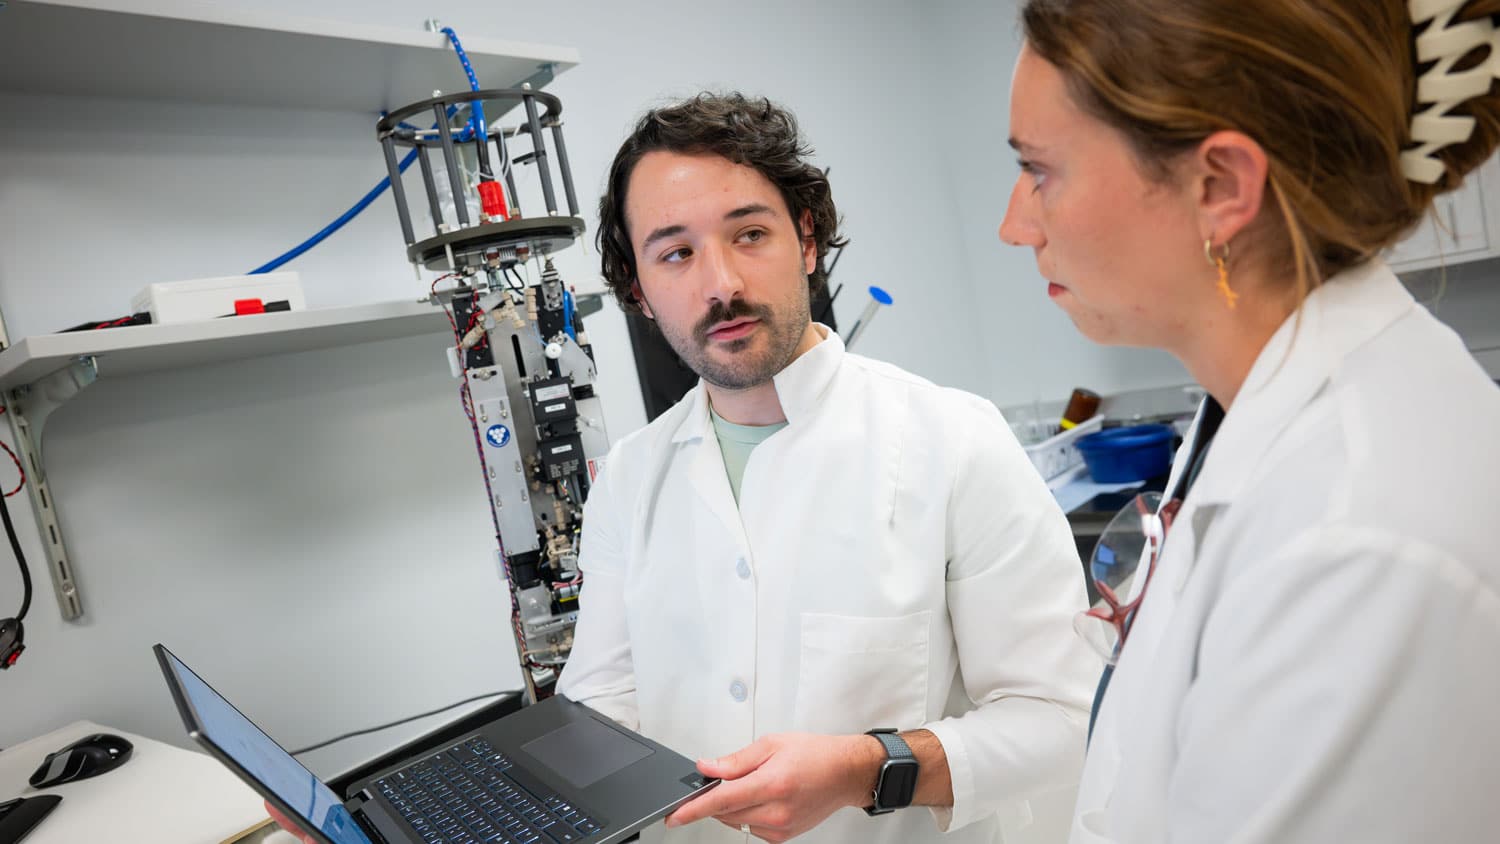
(27, 408)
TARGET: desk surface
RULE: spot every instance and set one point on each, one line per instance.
(162, 795)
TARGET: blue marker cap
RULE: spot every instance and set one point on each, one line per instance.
(880, 296)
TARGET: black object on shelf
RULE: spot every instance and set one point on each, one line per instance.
(21, 815)
(142, 318)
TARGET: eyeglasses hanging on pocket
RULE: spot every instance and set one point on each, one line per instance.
(1135, 535)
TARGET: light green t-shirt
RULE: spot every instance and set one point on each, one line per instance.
(736, 442)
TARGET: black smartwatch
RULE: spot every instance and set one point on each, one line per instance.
(898, 776)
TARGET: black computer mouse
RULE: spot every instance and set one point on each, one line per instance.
(90, 756)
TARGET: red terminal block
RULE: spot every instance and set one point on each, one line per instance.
(492, 200)
(248, 306)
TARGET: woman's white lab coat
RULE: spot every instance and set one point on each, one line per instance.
(1317, 658)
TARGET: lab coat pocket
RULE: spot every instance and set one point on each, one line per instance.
(859, 673)
(1090, 828)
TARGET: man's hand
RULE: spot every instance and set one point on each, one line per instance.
(783, 785)
(287, 824)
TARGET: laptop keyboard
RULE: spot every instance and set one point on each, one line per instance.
(471, 793)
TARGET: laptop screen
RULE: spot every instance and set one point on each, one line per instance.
(264, 760)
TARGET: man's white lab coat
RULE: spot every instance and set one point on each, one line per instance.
(1316, 657)
(895, 561)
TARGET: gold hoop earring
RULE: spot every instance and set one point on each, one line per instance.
(1220, 263)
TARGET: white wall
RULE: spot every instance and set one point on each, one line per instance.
(1032, 348)
(307, 529)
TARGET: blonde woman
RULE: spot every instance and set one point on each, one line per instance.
(1305, 646)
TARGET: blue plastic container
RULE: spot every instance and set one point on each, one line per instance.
(1135, 453)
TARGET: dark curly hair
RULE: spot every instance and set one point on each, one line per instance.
(753, 132)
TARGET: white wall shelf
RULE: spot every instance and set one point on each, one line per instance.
(182, 50)
(148, 348)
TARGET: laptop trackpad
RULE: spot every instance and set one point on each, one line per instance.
(586, 751)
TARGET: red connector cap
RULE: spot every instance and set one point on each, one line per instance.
(248, 306)
(492, 200)
(11, 635)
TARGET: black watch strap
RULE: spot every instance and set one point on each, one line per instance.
(898, 775)
(895, 746)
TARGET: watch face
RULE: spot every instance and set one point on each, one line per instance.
(898, 781)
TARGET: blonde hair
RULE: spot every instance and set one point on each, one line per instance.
(1325, 87)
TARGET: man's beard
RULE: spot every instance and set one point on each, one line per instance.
(745, 369)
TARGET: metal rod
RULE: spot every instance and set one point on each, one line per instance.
(567, 171)
(539, 153)
(398, 191)
(482, 145)
(432, 197)
(878, 299)
(503, 156)
(450, 157)
(832, 264)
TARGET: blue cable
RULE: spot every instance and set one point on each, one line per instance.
(568, 315)
(478, 119)
(476, 124)
(336, 224)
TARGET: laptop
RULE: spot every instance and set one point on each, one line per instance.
(555, 772)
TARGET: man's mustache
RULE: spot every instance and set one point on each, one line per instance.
(720, 312)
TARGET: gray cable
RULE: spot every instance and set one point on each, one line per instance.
(322, 744)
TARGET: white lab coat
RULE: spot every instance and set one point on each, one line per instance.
(1316, 657)
(894, 561)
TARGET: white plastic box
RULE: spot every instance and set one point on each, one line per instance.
(1057, 458)
(210, 298)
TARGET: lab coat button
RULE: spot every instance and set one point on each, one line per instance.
(742, 568)
(737, 691)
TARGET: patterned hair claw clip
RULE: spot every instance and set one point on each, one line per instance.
(1441, 89)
